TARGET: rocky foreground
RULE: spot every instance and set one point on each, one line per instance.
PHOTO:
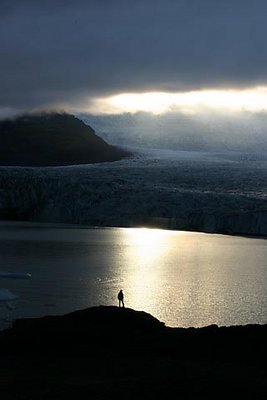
(115, 353)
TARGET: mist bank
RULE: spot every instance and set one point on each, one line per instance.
(204, 131)
(170, 190)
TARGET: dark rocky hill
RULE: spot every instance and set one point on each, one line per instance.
(117, 353)
(49, 139)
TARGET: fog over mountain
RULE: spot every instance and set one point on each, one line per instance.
(203, 131)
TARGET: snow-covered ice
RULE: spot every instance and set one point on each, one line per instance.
(215, 192)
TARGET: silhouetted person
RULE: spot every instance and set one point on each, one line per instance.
(120, 298)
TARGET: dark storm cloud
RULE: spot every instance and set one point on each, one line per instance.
(62, 51)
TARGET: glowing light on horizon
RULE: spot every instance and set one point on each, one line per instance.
(232, 100)
(146, 243)
(146, 253)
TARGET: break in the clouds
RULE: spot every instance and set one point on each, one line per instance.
(242, 100)
(73, 53)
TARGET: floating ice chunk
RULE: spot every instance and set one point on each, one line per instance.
(10, 305)
(7, 296)
(7, 301)
(15, 275)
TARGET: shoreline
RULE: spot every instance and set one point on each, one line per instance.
(61, 225)
(28, 321)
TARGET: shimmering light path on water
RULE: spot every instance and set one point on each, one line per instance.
(182, 278)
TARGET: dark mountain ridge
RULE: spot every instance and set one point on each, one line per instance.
(51, 139)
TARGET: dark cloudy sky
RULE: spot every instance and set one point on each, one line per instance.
(63, 52)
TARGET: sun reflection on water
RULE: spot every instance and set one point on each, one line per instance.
(182, 278)
(147, 244)
(146, 253)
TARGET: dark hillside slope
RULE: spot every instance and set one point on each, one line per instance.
(119, 353)
(52, 139)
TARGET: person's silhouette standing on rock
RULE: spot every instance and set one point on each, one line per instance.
(120, 298)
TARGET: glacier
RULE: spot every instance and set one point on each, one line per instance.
(170, 189)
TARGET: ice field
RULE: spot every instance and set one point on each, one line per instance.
(213, 192)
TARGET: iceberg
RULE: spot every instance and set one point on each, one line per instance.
(7, 296)
(15, 275)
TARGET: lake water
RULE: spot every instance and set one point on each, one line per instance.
(182, 278)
